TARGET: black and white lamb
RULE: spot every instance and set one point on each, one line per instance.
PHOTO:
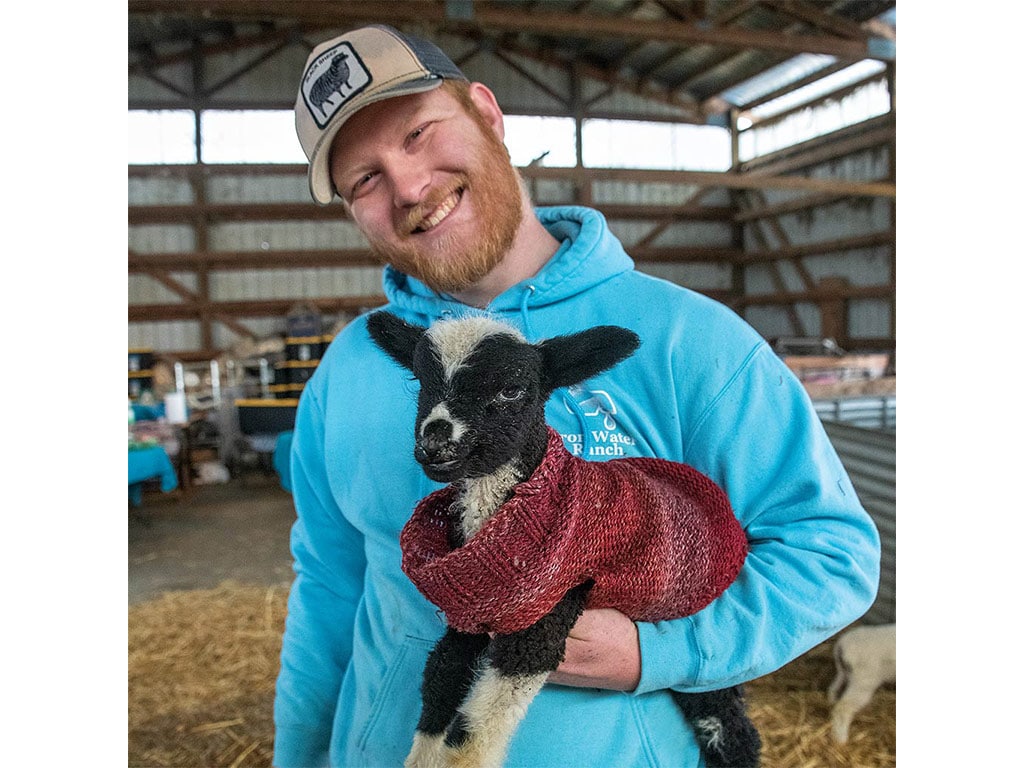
(526, 535)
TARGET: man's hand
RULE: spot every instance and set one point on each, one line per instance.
(602, 651)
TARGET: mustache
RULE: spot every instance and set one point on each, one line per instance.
(429, 204)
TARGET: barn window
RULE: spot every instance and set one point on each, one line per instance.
(858, 103)
(250, 136)
(547, 141)
(659, 146)
(162, 137)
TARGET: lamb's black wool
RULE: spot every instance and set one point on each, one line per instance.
(480, 425)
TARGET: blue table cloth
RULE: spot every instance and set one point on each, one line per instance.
(146, 464)
(148, 412)
(282, 456)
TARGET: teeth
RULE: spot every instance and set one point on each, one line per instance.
(440, 214)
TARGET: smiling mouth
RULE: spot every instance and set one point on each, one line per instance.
(440, 213)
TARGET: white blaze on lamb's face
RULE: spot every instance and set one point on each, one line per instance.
(455, 340)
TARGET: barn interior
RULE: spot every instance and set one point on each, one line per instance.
(744, 149)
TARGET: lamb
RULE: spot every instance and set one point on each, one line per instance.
(510, 511)
(330, 82)
(865, 658)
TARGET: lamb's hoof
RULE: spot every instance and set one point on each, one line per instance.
(428, 751)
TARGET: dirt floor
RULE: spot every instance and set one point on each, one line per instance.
(195, 540)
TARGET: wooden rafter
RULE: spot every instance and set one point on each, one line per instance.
(614, 78)
(497, 18)
(824, 22)
(141, 313)
(802, 203)
(775, 276)
(211, 212)
(725, 180)
(191, 298)
(872, 240)
(530, 77)
(710, 104)
(214, 49)
(248, 67)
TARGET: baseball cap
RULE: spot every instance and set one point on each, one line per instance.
(348, 72)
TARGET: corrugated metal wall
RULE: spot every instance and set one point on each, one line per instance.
(869, 456)
(273, 81)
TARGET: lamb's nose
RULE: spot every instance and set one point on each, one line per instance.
(435, 439)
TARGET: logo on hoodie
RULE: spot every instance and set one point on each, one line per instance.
(604, 436)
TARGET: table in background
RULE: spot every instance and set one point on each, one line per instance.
(149, 464)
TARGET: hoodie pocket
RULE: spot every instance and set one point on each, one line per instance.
(396, 710)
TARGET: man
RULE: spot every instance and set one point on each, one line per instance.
(414, 151)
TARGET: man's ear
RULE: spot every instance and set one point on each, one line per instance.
(487, 104)
(577, 357)
(395, 336)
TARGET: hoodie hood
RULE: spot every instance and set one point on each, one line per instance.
(590, 254)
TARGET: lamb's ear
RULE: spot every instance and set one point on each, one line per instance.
(395, 336)
(574, 358)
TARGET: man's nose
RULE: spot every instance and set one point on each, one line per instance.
(411, 181)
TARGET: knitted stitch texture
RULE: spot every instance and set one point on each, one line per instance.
(658, 538)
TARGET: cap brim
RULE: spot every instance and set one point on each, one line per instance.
(320, 185)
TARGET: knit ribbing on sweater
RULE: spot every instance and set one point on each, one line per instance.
(658, 538)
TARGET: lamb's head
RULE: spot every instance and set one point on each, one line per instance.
(483, 386)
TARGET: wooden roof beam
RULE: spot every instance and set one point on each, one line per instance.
(825, 22)
(499, 19)
(726, 180)
(141, 313)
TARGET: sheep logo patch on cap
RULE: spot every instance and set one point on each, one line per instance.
(331, 79)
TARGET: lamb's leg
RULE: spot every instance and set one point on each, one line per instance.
(835, 690)
(513, 673)
(447, 677)
(856, 696)
(726, 735)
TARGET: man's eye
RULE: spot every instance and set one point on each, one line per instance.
(415, 134)
(362, 181)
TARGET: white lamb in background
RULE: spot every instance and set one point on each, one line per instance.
(865, 658)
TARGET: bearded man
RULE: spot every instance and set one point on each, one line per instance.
(414, 152)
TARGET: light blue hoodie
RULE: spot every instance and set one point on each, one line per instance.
(704, 388)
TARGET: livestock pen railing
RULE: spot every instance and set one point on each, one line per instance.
(868, 411)
(869, 456)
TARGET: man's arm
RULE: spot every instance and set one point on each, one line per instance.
(813, 562)
(329, 565)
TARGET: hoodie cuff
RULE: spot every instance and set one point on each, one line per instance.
(669, 657)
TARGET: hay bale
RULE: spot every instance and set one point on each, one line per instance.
(202, 666)
(201, 672)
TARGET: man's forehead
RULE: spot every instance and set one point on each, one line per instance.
(383, 121)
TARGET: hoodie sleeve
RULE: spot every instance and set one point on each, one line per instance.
(813, 564)
(329, 562)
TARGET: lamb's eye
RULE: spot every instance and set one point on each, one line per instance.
(509, 394)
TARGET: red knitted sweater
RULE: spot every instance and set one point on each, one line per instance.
(658, 538)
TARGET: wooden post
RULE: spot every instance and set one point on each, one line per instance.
(834, 310)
